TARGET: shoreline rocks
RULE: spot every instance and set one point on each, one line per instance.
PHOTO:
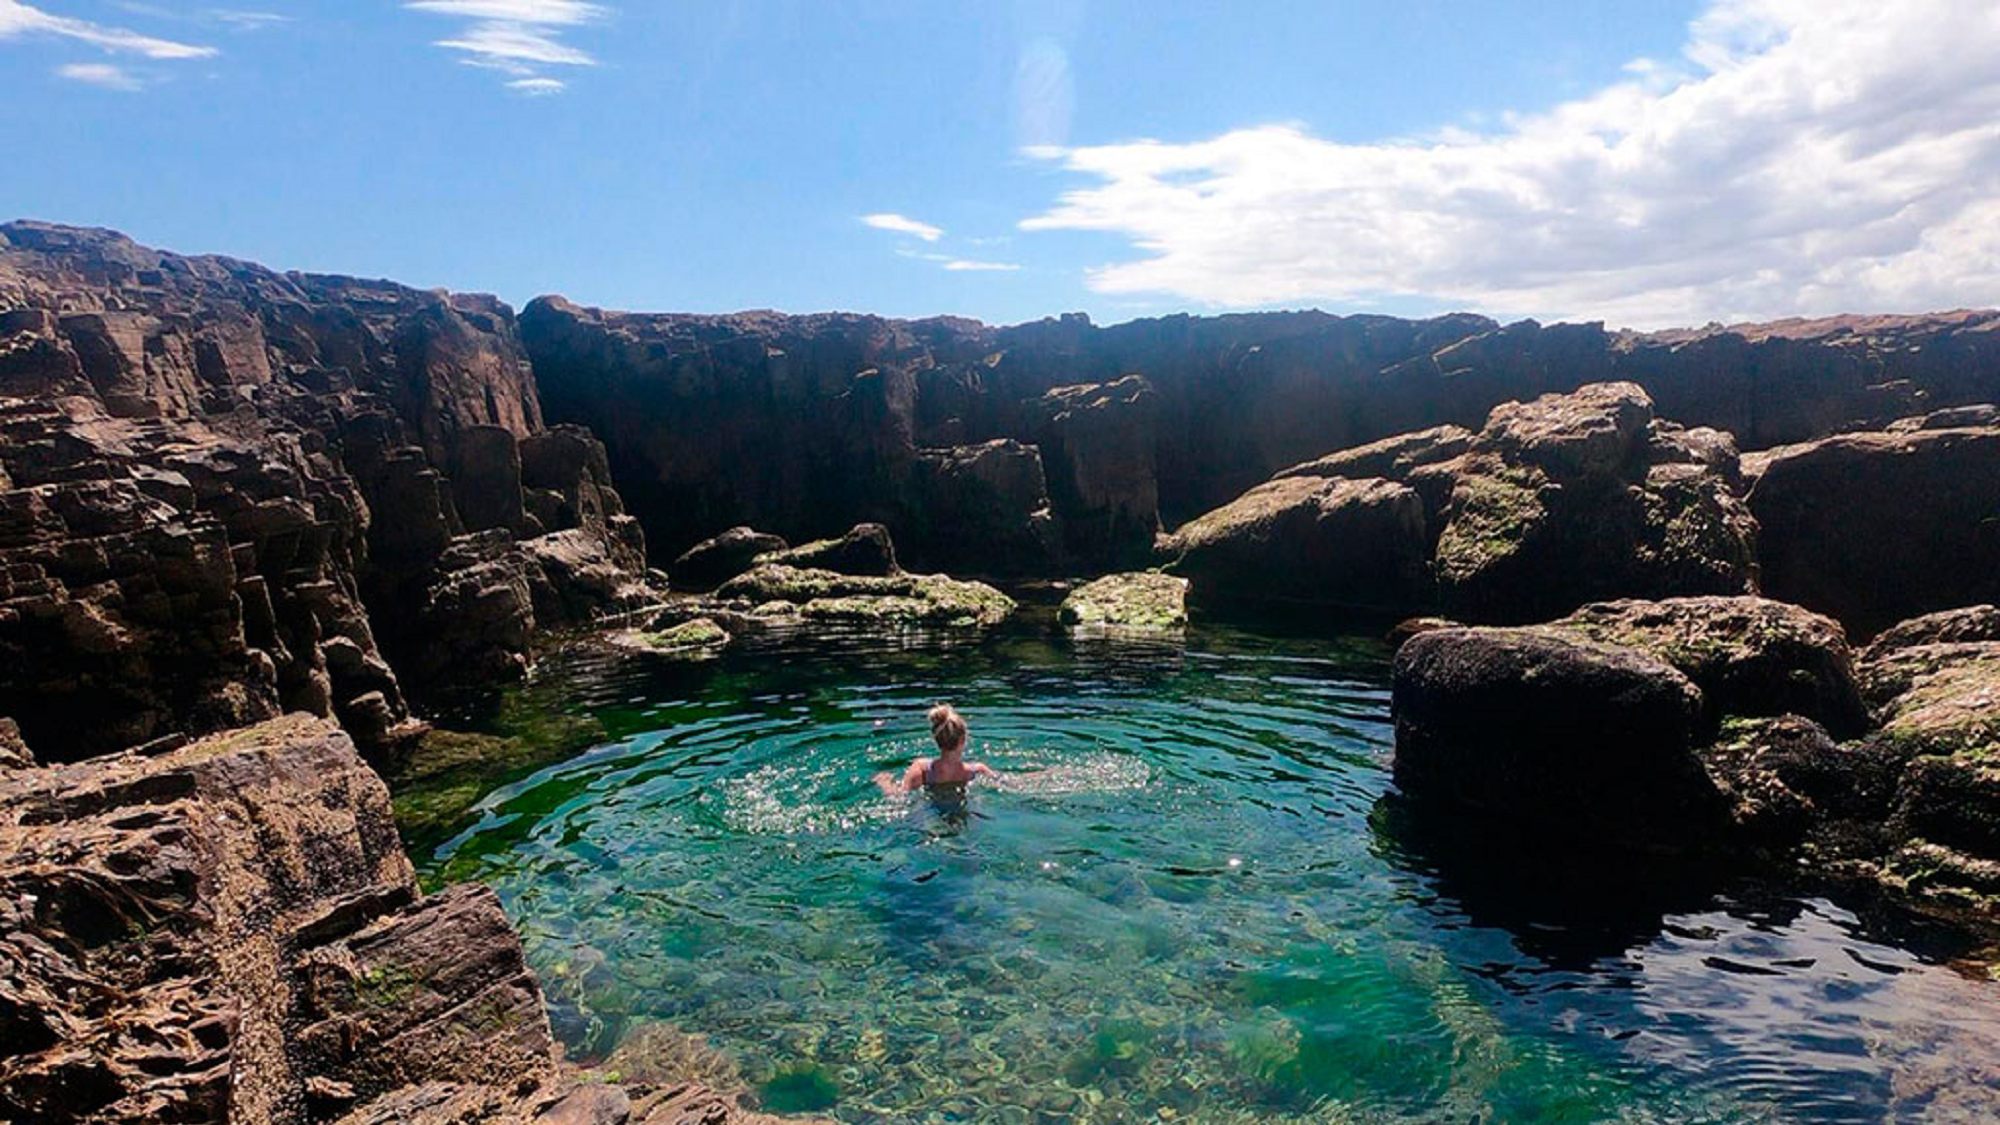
(1144, 603)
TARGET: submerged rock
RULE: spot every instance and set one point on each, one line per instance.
(1353, 544)
(1141, 602)
(1554, 735)
(712, 562)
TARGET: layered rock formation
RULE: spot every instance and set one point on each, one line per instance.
(229, 930)
(804, 425)
(226, 492)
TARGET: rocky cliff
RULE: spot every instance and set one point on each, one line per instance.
(226, 492)
(805, 425)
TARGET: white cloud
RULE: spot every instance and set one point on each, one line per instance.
(1801, 157)
(99, 74)
(18, 19)
(519, 37)
(247, 21)
(903, 224)
(966, 265)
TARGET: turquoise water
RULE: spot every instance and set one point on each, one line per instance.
(1198, 900)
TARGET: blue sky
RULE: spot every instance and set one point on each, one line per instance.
(1646, 163)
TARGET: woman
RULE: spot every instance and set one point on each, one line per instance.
(946, 776)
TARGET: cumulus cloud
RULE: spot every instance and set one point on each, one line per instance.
(521, 38)
(903, 224)
(17, 20)
(1799, 157)
(99, 74)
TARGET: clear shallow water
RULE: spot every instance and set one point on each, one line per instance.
(1200, 901)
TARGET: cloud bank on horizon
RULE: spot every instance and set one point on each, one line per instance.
(1802, 157)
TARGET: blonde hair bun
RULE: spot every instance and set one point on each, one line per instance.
(947, 727)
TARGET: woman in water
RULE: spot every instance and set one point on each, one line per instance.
(947, 775)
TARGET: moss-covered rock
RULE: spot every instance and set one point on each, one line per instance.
(917, 599)
(697, 639)
(1142, 602)
(1750, 656)
(865, 550)
(1937, 698)
(1330, 541)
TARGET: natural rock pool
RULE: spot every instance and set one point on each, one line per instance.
(1206, 905)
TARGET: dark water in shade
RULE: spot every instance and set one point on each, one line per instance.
(1206, 905)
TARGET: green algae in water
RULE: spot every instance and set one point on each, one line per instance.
(799, 1088)
(1185, 903)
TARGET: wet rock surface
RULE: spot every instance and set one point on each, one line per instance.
(1146, 602)
(226, 492)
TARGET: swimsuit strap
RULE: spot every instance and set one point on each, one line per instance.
(927, 774)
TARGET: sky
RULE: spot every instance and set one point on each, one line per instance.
(1646, 163)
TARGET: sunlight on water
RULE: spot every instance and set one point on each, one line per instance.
(1193, 897)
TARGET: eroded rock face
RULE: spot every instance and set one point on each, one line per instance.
(226, 492)
(805, 425)
(1877, 527)
(229, 930)
(984, 509)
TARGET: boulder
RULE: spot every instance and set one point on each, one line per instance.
(865, 550)
(1970, 625)
(1749, 656)
(1873, 528)
(1550, 734)
(716, 560)
(1581, 497)
(899, 599)
(697, 639)
(1146, 602)
(1348, 544)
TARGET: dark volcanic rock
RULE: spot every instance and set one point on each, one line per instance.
(1554, 735)
(712, 562)
(1356, 545)
(1100, 441)
(1876, 527)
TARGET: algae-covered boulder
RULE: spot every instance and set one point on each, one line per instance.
(916, 599)
(1750, 656)
(865, 550)
(1554, 735)
(1349, 544)
(712, 562)
(1585, 497)
(696, 639)
(1143, 602)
